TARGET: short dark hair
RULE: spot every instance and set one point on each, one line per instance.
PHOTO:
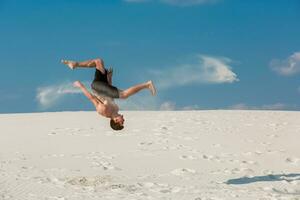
(116, 126)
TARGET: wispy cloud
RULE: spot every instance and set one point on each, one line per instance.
(287, 67)
(168, 105)
(141, 101)
(176, 2)
(208, 70)
(191, 107)
(276, 106)
(145, 101)
(47, 96)
(239, 106)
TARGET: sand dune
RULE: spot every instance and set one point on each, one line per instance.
(192, 155)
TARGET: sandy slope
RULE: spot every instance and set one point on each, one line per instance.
(193, 155)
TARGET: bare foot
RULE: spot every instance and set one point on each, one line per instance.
(151, 87)
(71, 64)
(77, 84)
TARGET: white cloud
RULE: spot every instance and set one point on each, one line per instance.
(217, 70)
(168, 105)
(276, 106)
(176, 2)
(287, 67)
(239, 106)
(47, 96)
(191, 107)
(147, 102)
(212, 70)
(141, 101)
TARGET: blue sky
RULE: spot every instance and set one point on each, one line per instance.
(202, 54)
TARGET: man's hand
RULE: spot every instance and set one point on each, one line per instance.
(110, 71)
(77, 84)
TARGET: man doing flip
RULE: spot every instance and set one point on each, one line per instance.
(105, 92)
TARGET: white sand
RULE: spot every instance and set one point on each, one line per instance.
(193, 155)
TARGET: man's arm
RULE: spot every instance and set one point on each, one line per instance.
(91, 97)
(98, 63)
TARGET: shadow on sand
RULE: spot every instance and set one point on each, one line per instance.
(271, 177)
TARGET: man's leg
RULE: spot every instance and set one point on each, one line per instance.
(133, 90)
(98, 63)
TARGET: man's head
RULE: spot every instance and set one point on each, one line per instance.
(117, 122)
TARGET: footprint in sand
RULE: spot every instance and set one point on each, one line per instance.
(287, 191)
(160, 187)
(217, 145)
(105, 165)
(100, 155)
(137, 188)
(266, 143)
(131, 188)
(248, 153)
(50, 179)
(257, 152)
(293, 161)
(71, 131)
(234, 171)
(187, 157)
(274, 126)
(145, 143)
(55, 198)
(5, 196)
(147, 184)
(183, 172)
(89, 181)
(161, 130)
(250, 162)
(52, 156)
(174, 147)
(273, 135)
(211, 158)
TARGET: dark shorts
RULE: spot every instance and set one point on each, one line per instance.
(101, 86)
